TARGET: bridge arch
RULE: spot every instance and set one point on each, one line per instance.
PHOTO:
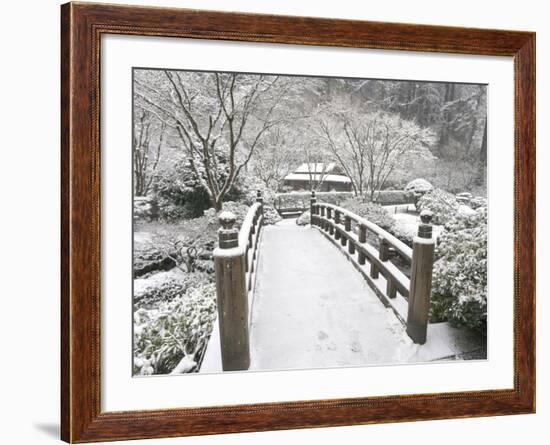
(236, 258)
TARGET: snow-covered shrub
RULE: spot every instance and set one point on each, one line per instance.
(442, 204)
(251, 193)
(166, 290)
(151, 258)
(477, 202)
(304, 219)
(419, 187)
(237, 208)
(404, 234)
(145, 208)
(459, 283)
(405, 227)
(375, 213)
(465, 210)
(187, 245)
(179, 193)
(271, 216)
(178, 330)
(154, 291)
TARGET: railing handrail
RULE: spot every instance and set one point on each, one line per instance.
(404, 250)
(248, 223)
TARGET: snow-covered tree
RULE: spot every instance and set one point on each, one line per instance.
(369, 146)
(213, 113)
(149, 135)
(276, 156)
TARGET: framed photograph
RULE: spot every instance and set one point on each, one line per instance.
(274, 222)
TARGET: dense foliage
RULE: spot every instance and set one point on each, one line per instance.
(304, 219)
(459, 285)
(176, 330)
(166, 289)
(442, 204)
(393, 197)
(419, 187)
(375, 213)
(180, 194)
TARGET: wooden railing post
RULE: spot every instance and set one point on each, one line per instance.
(347, 228)
(322, 213)
(232, 296)
(384, 255)
(383, 249)
(421, 280)
(312, 202)
(260, 199)
(362, 240)
(336, 222)
(329, 217)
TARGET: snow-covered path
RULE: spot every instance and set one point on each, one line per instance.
(313, 309)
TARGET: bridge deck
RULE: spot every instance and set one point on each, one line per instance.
(312, 309)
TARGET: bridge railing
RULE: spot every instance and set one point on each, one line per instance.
(353, 232)
(235, 261)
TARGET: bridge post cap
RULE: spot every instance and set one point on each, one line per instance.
(227, 219)
(426, 216)
(425, 227)
(313, 193)
(228, 236)
(258, 193)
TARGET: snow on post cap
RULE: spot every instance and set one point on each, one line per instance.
(425, 227)
(228, 236)
(227, 219)
(426, 216)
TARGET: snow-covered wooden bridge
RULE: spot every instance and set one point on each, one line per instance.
(323, 295)
(311, 309)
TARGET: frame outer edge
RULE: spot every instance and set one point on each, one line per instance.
(82, 419)
(525, 267)
(79, 229)
(65, 104)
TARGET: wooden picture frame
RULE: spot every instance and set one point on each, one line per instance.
(82, 26)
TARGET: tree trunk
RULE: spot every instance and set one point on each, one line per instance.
(483, 150)
(444, 132)
(480, 180)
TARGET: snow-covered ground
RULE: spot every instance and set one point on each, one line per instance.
(312, 309)
(287, 222)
